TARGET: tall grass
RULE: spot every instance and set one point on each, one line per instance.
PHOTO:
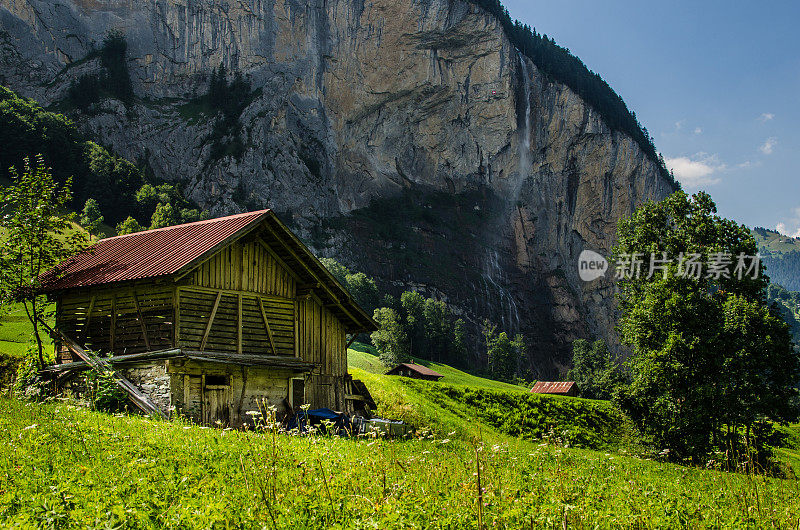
(61, 466)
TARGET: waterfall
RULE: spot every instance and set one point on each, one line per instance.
(498, 299)
(497, 296)
(525, 134)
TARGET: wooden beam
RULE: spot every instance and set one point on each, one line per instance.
(99, 364)
(277, 258)
(141, 321)
(351, 341)
(88, 318)
(113, 322)
(246, 294)
(296, 330)
(210, 321)
(176, 317)
(266, 324)
(117, 359)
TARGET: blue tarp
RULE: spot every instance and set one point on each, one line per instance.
(302, 419)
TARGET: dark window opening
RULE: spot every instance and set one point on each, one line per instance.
(298, 392)
(216, 380)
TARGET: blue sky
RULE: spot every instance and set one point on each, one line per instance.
(716, 83)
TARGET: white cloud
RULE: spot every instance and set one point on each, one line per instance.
(791, 227)
(769, 145)
(699, 170)
(766, 117)
(698, 130)
(679, 125)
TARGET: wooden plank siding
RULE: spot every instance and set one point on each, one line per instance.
(196, 306)
(321, 337)
(243, 300)
(247, 267)
(87, 315)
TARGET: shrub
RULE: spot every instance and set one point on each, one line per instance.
(103, 392)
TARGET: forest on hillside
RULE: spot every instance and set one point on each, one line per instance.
(118, 192)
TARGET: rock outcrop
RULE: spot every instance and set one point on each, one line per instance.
(360, 107)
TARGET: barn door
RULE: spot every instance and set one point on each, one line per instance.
(216, 397)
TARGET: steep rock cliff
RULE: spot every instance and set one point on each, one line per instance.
(408, 137)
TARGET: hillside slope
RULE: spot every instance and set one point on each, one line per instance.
(71, 468)
(781, 256)
(354, 106)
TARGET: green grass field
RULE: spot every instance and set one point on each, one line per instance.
(66, 467)
(365, 357)
(544, 461)
(15, 332)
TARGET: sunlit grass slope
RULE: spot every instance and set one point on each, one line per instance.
(365, 357)
(69, 468)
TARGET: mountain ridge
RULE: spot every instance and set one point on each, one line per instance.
(355, 103)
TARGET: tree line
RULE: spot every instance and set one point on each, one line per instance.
(417, 327)
(106, 188)
(411, 326)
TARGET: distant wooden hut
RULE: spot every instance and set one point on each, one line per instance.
(558, 388)
(211, 319)
(415, 371)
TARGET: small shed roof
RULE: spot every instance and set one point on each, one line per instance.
(422, 370)
(174, 250)
(553, 387)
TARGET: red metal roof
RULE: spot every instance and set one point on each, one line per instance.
(553, 387)
(148, 254)
(422, 370)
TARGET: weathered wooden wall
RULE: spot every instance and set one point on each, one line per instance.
(235, 322)
(246, 389)
(249, 267)
(131, 319)
(321, 337)
(321, 340)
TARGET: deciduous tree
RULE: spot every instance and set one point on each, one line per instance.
(38, 237)
(710, 358)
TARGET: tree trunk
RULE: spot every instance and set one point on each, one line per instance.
(32, 316)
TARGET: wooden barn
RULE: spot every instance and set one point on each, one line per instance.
(415, 371)
(558, 388)
(210, 319)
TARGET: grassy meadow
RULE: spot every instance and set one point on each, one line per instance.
(482, 457)
(66, 467)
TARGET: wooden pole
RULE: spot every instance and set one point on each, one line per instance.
(210, 321)
(141, 321)
(266, 324)
(240, 324)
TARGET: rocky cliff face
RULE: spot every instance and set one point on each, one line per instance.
(362, 109)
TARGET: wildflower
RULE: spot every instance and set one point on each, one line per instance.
(33, 426)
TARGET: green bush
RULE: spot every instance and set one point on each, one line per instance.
(103, 392)
(28, 383)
